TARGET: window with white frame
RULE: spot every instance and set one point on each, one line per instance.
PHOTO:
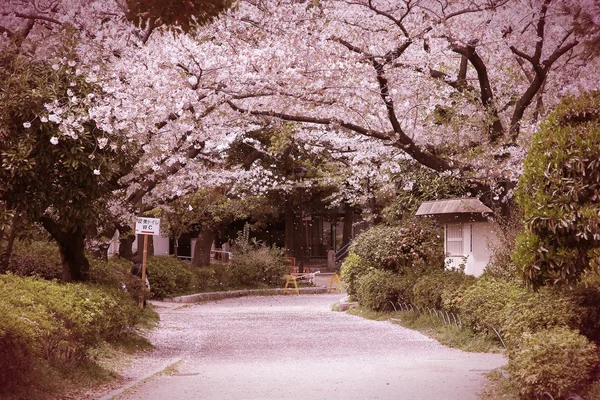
(454, 240)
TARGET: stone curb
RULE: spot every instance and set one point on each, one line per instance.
(345, 304)
(212, 296)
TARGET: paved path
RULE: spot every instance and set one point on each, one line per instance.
(295, 347)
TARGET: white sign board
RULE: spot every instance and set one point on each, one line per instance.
(147, 226)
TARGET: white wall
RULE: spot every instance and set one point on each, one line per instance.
(161, 245)
(479, 239)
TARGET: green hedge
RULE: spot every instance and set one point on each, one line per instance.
(483, 304)
(36, 258)
(352, 269)
(43, 320)
(558, 361)
(378, 289)
(169, 277)
(430, 289)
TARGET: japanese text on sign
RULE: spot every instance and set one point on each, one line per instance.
(147, 226)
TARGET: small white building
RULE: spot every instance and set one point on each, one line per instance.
(469, 235)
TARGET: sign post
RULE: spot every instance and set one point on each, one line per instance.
(146, 226)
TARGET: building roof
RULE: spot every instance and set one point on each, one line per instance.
(465, 205)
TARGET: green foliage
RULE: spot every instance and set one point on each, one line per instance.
(530, 312)
(415, 245)
(258, 267)
(484, 302)
(38, 258)
(429, 289)
(559, 192)
(35, 173)
(170, 277)
(377, 246)
(417, 185)
(557, 360)
(378, 289)
(352, 269)
(452, 297)
(42, 320)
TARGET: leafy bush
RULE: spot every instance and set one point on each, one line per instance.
(484, 302)
(415, 245)
(43, 320)
(452, 297)
(258, 267)
(352, 269)
(37, 258)
(557, 361)
(420, 245)
(530, 312)
(378, 289)
(377, 246)
(559, 192)
(429, 288)
(112, 272)
(170, 277)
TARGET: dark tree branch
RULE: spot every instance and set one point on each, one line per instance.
(495, 130)
(398, 139)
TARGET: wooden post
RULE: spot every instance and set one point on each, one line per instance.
(144, 261)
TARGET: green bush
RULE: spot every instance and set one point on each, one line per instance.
(36, 258)
(258, 267)
(169, 276)
(430, 288)
(113, 272)
(557, 361)
(415, 245)
(484, 302)
(378, 289)
(43, 320)
(452, 297)
(352, 269)
(559, 192)
(377, 246)
(530, 312)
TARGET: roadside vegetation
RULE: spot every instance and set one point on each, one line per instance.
(538, 300)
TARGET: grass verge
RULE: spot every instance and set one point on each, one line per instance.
(449, 335)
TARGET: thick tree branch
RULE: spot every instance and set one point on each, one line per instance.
(398, 139)
(34, 17)
(495, 130)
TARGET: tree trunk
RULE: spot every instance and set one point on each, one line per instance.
(348, 222)
(202, 248)
(126, 239)
(290, 232)
(76, 267)
(10, 240)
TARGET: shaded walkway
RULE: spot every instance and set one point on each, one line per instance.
(295, 347)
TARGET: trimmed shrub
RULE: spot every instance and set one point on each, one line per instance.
(378, 289)
(43, 320)
(170, 277)
(377, 246)
(429, 288)
(452, 297)
(259, 267)
(352, 269)
(36, 258)
(112, 272)
(530, 312)
(415, 246)
(559, 192)
(557, 361)
(484, 302)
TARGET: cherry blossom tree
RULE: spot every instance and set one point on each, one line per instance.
(457, 86)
